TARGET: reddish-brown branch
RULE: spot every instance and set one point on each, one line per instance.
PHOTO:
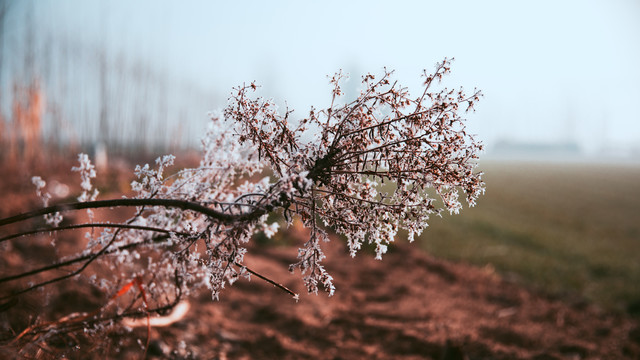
(90, 225)
(181, 204)
(278, 285)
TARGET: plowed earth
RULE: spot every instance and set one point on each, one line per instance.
(410, 305)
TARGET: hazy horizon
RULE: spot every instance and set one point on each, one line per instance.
(551, 72)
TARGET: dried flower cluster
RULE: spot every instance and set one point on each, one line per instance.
(366, 169)
(371, 164)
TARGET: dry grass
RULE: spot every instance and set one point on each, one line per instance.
(567, 228)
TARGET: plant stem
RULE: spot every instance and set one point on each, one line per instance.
(181, 204)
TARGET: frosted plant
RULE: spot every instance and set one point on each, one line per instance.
(87, 172)
(365, 169)
(53, 219)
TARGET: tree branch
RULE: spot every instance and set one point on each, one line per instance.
(181, 204)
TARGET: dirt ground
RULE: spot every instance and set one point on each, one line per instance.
(410, 305)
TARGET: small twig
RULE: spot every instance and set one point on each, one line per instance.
(181, 204)
(278, 285)
(91, 225)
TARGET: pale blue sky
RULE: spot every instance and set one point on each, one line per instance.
(550, 70)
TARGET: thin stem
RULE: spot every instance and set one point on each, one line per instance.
(278, 285)
(90, 225)
(83, 321)
(364, 99)
(381, 203)
(65, 263)
(181, 204)
(351, 155)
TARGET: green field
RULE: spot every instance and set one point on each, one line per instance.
(570, 229)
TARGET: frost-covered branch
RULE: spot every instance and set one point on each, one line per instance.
(364, 169)
(223, 217)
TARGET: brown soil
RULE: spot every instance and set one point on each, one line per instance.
(407, 306)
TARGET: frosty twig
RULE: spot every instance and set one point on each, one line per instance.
(366, 169)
